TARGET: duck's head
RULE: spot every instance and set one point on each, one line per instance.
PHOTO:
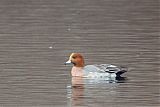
(76, 59)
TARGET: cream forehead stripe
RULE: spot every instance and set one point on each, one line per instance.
(71, 56)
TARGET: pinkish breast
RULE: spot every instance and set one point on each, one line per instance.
(77, 71)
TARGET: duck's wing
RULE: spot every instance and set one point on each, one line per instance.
(109, 68)
(102, 68)
(112, 69)
(106, 70)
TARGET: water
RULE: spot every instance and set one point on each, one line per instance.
(36, 38)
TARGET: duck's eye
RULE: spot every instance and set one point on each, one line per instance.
(74, 57)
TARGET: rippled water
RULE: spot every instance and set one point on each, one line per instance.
(36, 38)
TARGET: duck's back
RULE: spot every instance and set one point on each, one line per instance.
(102, 70)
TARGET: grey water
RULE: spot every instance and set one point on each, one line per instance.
(37, 36)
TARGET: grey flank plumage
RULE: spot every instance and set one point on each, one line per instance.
(102, 68)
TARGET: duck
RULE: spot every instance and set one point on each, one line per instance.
(79, 68)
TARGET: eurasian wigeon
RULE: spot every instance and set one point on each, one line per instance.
(103, 70)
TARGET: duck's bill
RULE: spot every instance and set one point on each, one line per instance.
(68, 62)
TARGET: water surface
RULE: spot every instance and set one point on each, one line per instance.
(36, 38)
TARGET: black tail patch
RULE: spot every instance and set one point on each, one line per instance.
(119, 73)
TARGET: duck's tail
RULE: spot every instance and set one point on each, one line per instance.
(119, 73)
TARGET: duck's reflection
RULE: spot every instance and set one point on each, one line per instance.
(76, 92)
(79, 87)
